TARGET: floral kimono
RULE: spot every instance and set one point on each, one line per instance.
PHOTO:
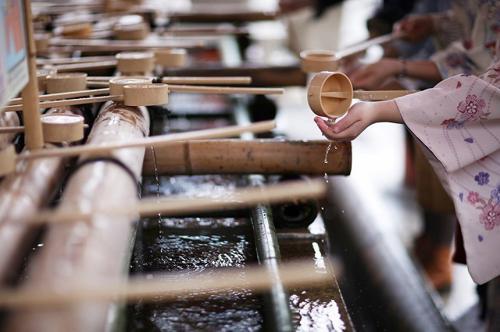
(458, 121)
(476, 22)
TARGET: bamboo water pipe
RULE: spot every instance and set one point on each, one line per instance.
(22, 193)
(98, 251)
(330, 94)
(324, 60)
(178, 204)
(167, 286)
(260, 156)
(9, 159)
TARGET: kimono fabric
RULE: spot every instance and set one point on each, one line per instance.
(458, 121)
(477, 23)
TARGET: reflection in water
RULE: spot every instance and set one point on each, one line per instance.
(193, 245)
(315, 314)
(314, 309)
(190, 246)
(211, 248)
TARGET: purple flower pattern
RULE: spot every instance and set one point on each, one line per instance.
(482, 178)
(452, 124)
(495, 194)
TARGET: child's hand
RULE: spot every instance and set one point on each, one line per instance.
(359, 116)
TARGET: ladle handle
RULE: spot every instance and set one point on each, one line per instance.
(380, 95)
(358, 48)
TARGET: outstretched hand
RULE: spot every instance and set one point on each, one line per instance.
(358, 118)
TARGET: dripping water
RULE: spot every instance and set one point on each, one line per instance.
(325, 161)
(157, 179)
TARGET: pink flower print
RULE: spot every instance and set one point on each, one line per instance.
(472, 107)
(473, 197)
(490, 216)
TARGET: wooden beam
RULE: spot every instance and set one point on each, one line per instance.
(232, 156)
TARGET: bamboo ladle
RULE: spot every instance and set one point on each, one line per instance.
(140, 92)
(127, 63)
(57, 128)
(323, 60)
(180, 204)
(330, 94)
(8, 157)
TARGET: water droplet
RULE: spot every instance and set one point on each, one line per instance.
(328, 151)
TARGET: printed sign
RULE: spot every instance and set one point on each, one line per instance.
(13, 55)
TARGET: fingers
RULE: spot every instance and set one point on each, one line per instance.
(344, 130)
(347, 135)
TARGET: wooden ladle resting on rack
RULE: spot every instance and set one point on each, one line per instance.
(330, 94)
(141, 92)
(313, 61)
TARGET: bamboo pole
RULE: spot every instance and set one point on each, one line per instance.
(224, 90)
(64, 61)
(75, 67)
(125, 45)
(192, 80)
(171, 88)
(64, 95)
(155, 141)
(363, 46)
(179, 205)
(31, 114)
(233, 156)
(97, 252)
(168, 286)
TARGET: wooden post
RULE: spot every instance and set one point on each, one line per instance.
(31, 111)
(97, 250)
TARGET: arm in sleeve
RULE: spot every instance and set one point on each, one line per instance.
(459, 119)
